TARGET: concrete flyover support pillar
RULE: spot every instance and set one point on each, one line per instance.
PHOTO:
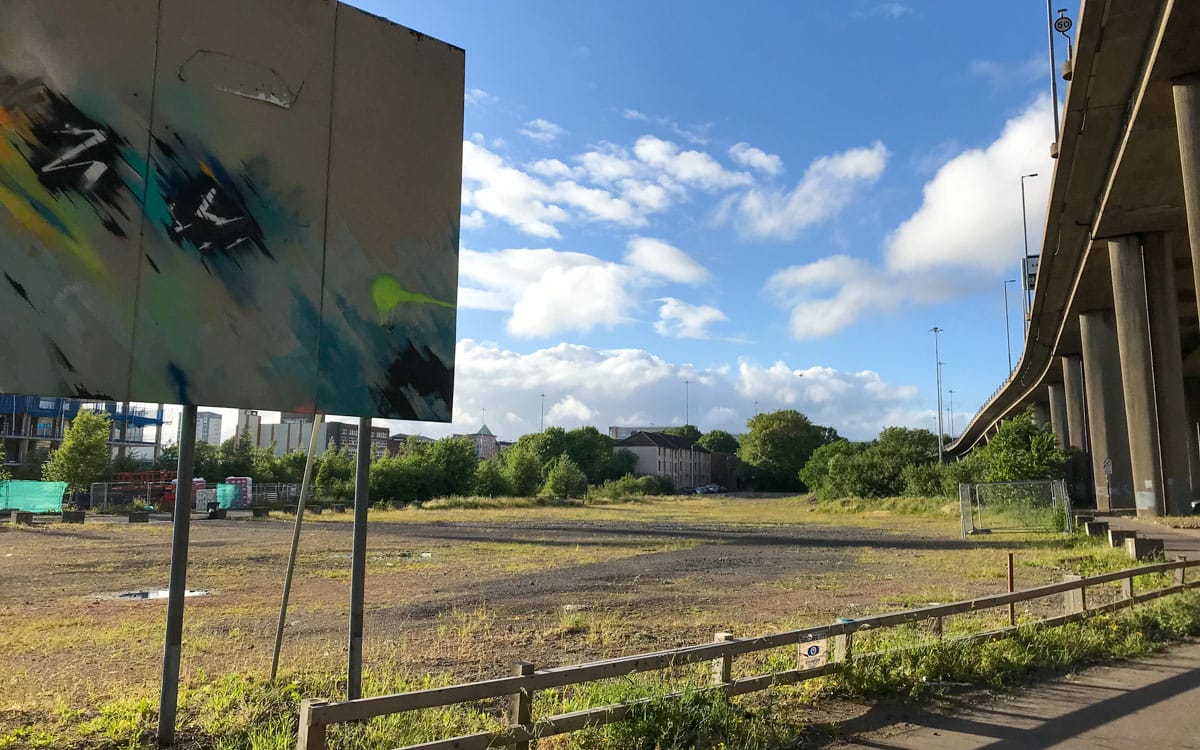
(1137, 371)
(1174, 438)
(1108, 438)
(1041, 414)
(1058, 414)
(1072, 369)
(1187, 123)
(1191, 389)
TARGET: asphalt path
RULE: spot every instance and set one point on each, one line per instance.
(1144, 703)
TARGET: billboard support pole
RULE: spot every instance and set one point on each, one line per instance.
(291, 564)
(177, 589)
(358, 558)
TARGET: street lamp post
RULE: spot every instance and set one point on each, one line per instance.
(542, 417)
(1007, 332)
(938, 363)
(1025, 265)
(952, 432)
(687, 402)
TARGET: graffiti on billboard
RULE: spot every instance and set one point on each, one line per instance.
(225, 214)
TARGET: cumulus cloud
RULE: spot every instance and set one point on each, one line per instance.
(681, 320)
(661, 259)
(967, 229)
(533, 205)
(541, 131)
(547, 291)
(603, 387)
(755, 158)
(827, 186)
(970, 215)
(687, 167)
(473, 97)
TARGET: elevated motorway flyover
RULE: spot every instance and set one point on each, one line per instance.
(1112, 351)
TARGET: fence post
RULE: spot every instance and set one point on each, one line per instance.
(937, 626)
(843, 647)
(1127, 587)
(310, 736)
(1180, 572)
(520, 707)
(1074, 600)
(1012, 606)
(722, 667)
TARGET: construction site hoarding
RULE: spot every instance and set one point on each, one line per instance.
(237, 204)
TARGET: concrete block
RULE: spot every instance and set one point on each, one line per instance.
(217, 514)
(1117, 537)
(139, 516)
(339, 509)
(21, 518)
(315, 509)
(1144, 549)
(72, 516)
(289, 509)
(1082, 518)
(1096, 528)
(260, 512)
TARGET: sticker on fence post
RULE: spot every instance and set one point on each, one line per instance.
(813, 652)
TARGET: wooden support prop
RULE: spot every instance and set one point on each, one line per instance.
(722, 667)
(520, 707)
(1180, 572)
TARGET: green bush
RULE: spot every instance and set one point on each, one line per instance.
(565, 479)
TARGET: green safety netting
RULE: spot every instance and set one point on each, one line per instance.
(32, 497)
(229, 495)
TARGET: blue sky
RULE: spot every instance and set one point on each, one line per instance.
(774, 201)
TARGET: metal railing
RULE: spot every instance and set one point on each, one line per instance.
(316, 715)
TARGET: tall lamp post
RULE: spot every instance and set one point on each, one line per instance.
(1007, 331)
(542, 418)
(952, 432)
(1025, 265)
(937, 360)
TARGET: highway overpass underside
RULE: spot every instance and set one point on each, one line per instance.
(1112, 353)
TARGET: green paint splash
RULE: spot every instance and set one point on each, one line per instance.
(387, 294)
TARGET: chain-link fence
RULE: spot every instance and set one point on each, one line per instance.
(1013, 507)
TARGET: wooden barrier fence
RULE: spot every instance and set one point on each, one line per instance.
(519, 688)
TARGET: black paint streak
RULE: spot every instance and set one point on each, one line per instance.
(179, 378)
(208, 211)
(417, 370)
(19, 289)
(152, 263)
(82, 392)
(62, 359)
(71, 153)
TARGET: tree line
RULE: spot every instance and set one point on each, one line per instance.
(780, 451)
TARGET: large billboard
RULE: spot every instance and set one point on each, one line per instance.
(229, 203)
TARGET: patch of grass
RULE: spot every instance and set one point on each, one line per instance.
(909, 506)
(914, 666)
(475, 503)
(1179, 522)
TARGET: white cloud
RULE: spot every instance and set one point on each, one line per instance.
(531, 204)
(570, 409)
(681, 320)
(755, 158)
(660, 259)
(1006, 75)
(541, 130)
(473, 220)
(688, 167)
(967, 228)
(890, 9)
(478, 97)
(603, 387)
(971, 212)
(546, 291)
(827, 187)
(494, 187)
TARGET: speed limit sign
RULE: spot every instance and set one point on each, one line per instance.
(1062, 24)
